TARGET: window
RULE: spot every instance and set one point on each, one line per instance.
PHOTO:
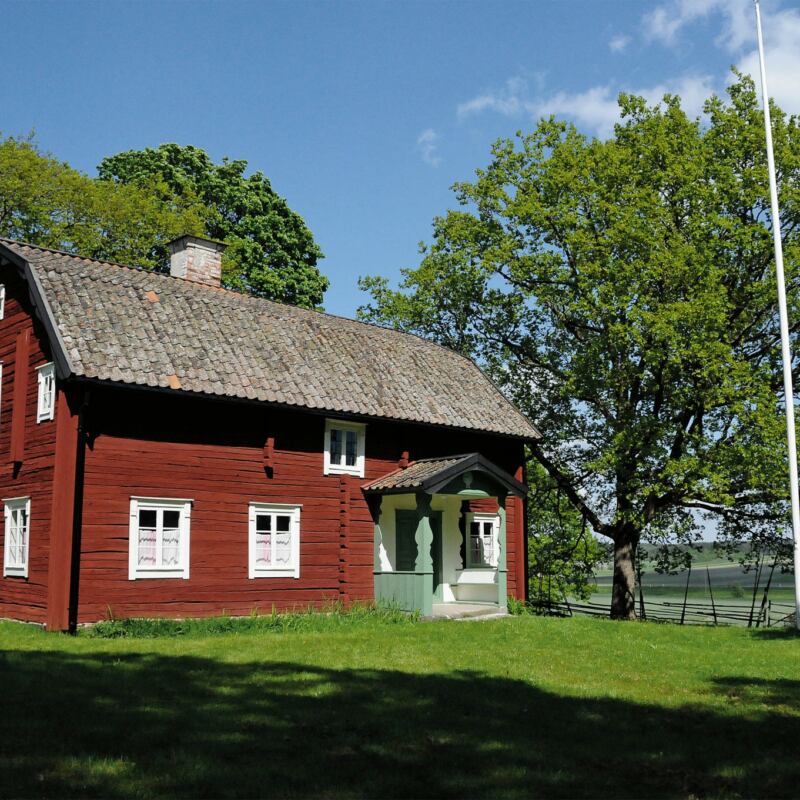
(274, 541)
(159, 538)
(2, 301)
(483, 531)
(344, 448)
(18, 517)
(47, 393)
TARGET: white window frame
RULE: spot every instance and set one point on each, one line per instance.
(283, 509)
(2, 301)
(483, 517)
(360, 430)
(46, 404)
(136, 572)
(16, 569)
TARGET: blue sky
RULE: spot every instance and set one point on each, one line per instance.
(363, 114)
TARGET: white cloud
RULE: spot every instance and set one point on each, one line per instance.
(618, 42)
(428, 146)
(595, 109)
(782, 54)
(666, 21)
(738, 37)
(507, 100)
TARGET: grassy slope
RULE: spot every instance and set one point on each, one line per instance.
(522, 707)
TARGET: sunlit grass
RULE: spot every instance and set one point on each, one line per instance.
(521, 707)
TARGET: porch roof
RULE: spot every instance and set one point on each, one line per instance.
(430, 475)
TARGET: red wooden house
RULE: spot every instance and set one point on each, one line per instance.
(171, 448)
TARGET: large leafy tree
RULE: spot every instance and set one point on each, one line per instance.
(623, 292)
(46, 202)
(271, 252)
(563, 555)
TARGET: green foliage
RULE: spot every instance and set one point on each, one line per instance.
(516, 607)
(623, 293)
(563, 555)
(271, 252)
(331, 617)
(45, 202)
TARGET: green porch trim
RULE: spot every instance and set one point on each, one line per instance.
(410, 590)
(502, 565)
(424, 566)
(375, 504)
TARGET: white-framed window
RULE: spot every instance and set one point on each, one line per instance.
(47, 393)
(17, 535)
(159, 538)
(2, 300)
(274, 540)
(483, 530)
(344, 447)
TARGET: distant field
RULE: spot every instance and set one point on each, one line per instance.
(725, 575)
(731, 587)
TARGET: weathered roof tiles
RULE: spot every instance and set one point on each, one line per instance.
(219, 342)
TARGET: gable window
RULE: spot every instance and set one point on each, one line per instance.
(483, 534)
(159, 538)
(2, 301)
(274, 540)
(15, 556)
(344, 448)
(47, 393)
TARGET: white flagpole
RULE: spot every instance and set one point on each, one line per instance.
(786, 352)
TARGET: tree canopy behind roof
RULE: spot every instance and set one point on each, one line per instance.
(270, 250)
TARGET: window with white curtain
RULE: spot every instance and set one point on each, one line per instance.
(483, 538)
(17, 511)
(159, 538)
(274, 540)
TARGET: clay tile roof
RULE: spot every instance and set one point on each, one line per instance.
(414, 475)
(213, 341)
(431, 474)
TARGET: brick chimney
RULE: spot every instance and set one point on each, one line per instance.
(196, 259)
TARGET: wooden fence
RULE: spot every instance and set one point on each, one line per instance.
(770, 614)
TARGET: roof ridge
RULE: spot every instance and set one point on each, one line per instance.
(61, 265)
(459, 457)
(234, 292)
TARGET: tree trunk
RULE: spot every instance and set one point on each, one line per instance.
(623, 593)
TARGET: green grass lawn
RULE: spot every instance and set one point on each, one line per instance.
(524, 707)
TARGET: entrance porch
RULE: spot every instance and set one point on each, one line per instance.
(440, 535)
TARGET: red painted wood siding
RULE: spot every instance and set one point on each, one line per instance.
(25, 598)
(143, 444)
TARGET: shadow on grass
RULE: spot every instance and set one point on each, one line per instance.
(775, 633)
(143, 725)
(774, 693)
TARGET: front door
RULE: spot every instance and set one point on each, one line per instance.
(436, 554)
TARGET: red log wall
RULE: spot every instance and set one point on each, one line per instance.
(223, 456)
(143, 444)
(25, 598)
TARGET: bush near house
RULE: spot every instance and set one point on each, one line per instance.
(360, 706)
